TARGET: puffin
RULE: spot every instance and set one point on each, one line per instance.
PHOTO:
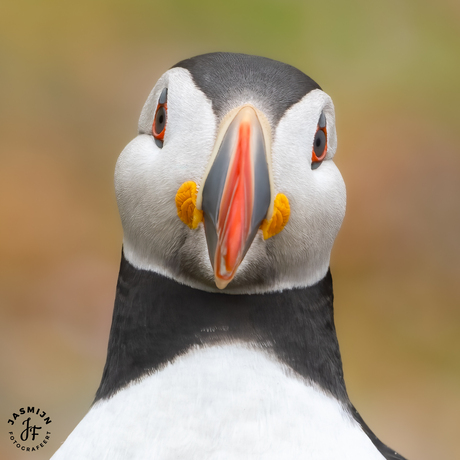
(223, 343)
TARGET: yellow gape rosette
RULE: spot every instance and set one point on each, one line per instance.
(279, 219)
(186, 205)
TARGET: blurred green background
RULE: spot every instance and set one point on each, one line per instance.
(73, 79)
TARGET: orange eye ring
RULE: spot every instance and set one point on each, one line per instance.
(159, 121)
(320, 138)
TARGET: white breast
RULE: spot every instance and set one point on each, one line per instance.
(224, 402)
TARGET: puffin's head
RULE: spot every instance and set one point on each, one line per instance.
(231, 183)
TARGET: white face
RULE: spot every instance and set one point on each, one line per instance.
(147, 178)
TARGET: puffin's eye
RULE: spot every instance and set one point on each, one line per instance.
(159, 122)
(319, 150)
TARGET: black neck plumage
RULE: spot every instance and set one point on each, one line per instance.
(156, 319)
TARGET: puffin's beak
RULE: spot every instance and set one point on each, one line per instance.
(236, 195)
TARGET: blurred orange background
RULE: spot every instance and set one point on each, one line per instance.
(73, 79)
